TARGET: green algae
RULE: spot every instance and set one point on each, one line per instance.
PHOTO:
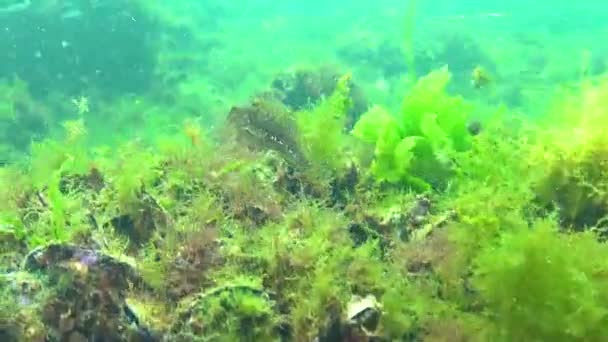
(417, 145)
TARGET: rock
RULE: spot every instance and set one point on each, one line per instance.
(75, 336)
(267, 125)
(364, 312)
(87, 294)
(303, 88)
(229, 311)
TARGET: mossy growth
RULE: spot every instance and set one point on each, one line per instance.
(574, 149)
(20, 294)
(22, 118)
(178, 262)
(303, 88)
(237, 311)
(46, 204)
(125, 198)
(312, 141)
(15, 189)
(321, 129)
(230, 234)
(540, 285)
(312, 267)
(66, 155)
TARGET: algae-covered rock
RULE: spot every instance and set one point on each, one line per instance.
(20, 293)
(12, 249)
(232, 312)
(85, 294)
(267, 125)
(364, 313)
(304, 88)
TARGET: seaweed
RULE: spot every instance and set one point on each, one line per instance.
(321, 130)
(267, 125)
(283, 225)
(75, 292)
(536, 280)
(417, 146)
(235, 311)
(20, 113)
(305, 88)
(574, 150)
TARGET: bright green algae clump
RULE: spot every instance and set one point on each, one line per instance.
(416, 145)
(290, 226)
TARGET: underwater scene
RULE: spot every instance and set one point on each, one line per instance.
(315, 171)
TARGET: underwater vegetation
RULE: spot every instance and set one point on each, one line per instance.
(22, 117)
(345, 201)
(289, 223)
(416, 146)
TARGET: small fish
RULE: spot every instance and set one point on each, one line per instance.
(474, 127)
(480, 77)
(71, 13)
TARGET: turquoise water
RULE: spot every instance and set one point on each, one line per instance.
(189, 59)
